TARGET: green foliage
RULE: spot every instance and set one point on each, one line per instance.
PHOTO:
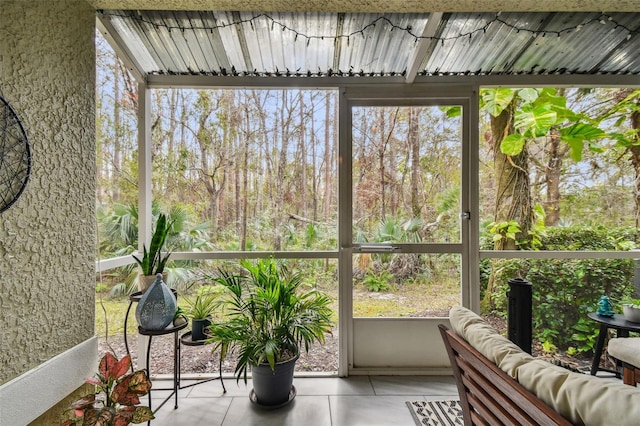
(566, 290)
(537, 112)
(377, 282)
(216, 289)
(268, 315)
(119, 228)
(119, 395)
(101, 287)
(631, 301)
(538, 229)
(311, 235)
(513, 144)
(626, 108)
(202, 305)
(395, 230)
(496, 100)
(153, 261)
(390, 230)
(535, 120)
(590, 238)
(504, 230)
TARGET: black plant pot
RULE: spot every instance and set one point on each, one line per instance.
(198, 328)
(273, 388)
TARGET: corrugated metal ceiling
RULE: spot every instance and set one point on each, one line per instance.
(360, 44)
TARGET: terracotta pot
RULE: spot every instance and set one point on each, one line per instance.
(145, 281)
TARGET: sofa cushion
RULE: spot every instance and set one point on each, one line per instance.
(580, 398)
(626, 349)
(482, 336)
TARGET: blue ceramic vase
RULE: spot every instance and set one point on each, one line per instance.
(157, 306)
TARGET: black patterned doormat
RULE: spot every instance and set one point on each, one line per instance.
(436, 413)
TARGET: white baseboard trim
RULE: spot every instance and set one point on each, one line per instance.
(28, 396)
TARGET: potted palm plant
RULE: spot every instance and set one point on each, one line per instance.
(153, 261)
(268, 317)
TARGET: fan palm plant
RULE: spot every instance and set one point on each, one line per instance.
(268, 315)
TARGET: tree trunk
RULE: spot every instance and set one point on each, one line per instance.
(115, 194)
(635, 160)
(513, 197)
(285, 122)
(556, 151)
(209, 167)
(182, 142)
(327, 157)
(365, 167)
(414, 147)
(245, 197)
(381, 169)
(262, 162)
(238, 163)
(315, 178)
(303, 160)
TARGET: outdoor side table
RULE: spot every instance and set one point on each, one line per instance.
(185, 339)
(622, 328)
(133, 298)
(176, 362)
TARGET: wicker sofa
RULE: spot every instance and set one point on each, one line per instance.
(500, 384)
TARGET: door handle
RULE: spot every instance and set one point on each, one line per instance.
(375, 248)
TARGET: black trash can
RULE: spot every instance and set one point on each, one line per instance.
(520, 323)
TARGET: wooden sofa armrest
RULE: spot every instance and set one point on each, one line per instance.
(488, 395)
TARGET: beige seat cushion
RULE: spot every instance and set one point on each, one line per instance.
(581, 398)
(482, 336)
(626, 349)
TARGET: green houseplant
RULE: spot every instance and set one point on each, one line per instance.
(118, 393)
(153, 261)
(268, 318)
(200, 310)
(631, 309)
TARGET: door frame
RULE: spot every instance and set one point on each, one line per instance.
(403, 95)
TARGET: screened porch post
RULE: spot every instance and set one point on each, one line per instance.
(144, 166)
(345, 261)
(472, 179)
(144, 188)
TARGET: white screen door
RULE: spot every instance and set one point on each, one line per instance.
(404, 184)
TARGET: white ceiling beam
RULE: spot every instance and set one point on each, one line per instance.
(424, 46)
(103, 23)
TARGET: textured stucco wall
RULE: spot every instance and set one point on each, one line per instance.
(47, 239)
(377, 5)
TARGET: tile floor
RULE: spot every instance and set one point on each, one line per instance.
(320, 401)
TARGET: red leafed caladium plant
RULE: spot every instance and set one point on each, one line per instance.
(117, 396)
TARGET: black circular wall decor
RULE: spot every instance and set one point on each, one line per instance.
(15, 156)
